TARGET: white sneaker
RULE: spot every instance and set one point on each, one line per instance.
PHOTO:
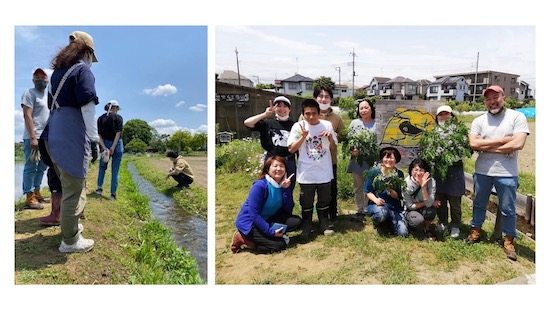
(455, 231)
(440, 228)
(81, 245)
(80, 228)
(328, 232)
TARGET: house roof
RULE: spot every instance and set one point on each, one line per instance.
(231, 75)
(424, 82)
(400, 79)
(380, 79)
(298, 78)
(448, 80)
(470, 73)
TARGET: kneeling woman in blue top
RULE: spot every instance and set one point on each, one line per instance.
(269, 201)
(383, 189)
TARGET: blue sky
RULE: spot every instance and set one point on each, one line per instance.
(156, 73)
(267, 53)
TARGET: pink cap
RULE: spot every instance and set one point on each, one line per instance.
(494, 88)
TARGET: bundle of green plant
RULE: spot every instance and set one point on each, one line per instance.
(444, 145)
(383, 182)
(364, 141)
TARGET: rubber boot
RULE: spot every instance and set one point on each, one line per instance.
(53, 218)
(32, 202)
(238, 241)
(39, 196)
(324, 222)
(307, 217)
(509, 248)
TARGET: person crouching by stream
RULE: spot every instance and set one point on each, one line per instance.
(269, 202)
(181, 171)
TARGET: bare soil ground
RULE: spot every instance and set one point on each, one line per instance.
(198, 165)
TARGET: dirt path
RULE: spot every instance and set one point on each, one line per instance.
(199, 165)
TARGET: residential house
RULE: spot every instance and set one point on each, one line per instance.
(399, 88)
(479, 81)
(342, 91)
(297, 85)
(524, 92)
(422, 88)
(448, 88)
(373, 89)
(232, 77)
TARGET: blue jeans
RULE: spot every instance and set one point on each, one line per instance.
(506, 192)
(116, 159)
(380, 214)
(32, 172)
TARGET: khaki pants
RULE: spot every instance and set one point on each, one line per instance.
(72, 203)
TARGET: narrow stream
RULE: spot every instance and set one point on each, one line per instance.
(189, 231)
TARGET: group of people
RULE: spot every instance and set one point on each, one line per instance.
(62, 134)
(381, 192)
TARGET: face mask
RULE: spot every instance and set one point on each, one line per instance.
(496, 111)
(281, 118)
(324, 106)
(40, 85)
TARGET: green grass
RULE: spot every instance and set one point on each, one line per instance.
(194, 199)
(130, 246)
(357, 254)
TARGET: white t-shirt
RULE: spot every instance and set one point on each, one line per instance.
(38, 102)
(490, 126)
(314, 164)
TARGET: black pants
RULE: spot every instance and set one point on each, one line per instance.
(183, 179)
(267, 244)
(333, 206)
(54, 183)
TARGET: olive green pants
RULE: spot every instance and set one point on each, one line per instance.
(72, 203)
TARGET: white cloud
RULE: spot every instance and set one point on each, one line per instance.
(198, 108)
(162, 123)
(180, 103)
(161, 90)
(27, 32)
(169, 127)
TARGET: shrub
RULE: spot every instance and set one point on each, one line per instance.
(244, 155)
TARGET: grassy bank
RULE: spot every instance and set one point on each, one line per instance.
(130, 246)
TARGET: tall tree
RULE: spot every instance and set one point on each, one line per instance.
(137, 128)
(324, 80)
(180, 141)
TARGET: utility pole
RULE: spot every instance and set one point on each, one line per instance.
(475, 79)
(339, 82)
(353, 76)
(238, 71)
